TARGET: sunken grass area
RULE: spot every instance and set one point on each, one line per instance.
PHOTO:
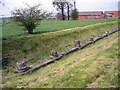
(35, 48)
(10, 29)
(95, 66)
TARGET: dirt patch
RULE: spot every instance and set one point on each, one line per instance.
(95, 83)
(44, 79)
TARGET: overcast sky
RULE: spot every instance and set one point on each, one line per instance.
(82, 5)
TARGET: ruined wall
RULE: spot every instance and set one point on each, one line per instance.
(54, 55)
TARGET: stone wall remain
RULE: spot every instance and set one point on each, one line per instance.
(57, 56)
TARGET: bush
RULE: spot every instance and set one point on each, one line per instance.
(74, 14)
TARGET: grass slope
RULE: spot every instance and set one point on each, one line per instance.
(9, 28)
(35, 48)
(78, 70)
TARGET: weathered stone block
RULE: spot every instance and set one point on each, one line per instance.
(65, 52)
(74, 49)
(77, 43)
(91, 39)
(104, 35)
(97, 38)
(87, 43)
(54, 53)
(118, 29)
(21, 66)
(58, 58)
(108, 33)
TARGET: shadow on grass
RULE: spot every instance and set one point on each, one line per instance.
(35, 32)
(39, 32)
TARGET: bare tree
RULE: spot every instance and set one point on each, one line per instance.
(29, 17)
(69, 6)
(61, 5)
(74, 4)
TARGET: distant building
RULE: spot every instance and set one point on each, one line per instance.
(112, 14)
(91, 15)
(59, 16)
(52, 17)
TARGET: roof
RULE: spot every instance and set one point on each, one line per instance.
(90, 13)
(112, 11)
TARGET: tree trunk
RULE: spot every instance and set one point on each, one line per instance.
(30, 31)
(74, 4)
(68, 11)
(62, 9)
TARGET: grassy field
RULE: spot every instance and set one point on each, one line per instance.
(95, 66)
(9, 28)
(35, 48)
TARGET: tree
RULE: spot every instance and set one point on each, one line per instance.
(74, 4)
(61, 5)
(69, 6)
(74, 14)
(29, 17)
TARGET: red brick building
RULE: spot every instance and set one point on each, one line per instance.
(112, 14)
(91, 15)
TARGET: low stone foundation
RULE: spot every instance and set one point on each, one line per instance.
(57, 56)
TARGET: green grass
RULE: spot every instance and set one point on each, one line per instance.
(35, 48)
(10, 29)
(77, 70)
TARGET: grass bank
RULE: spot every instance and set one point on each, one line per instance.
(35, 48)
(95, 66)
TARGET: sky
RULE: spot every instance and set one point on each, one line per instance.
(81, 5)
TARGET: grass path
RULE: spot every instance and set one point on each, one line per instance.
(78, 70)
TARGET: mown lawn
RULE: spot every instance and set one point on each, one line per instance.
(78, 70)
(9, 28)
